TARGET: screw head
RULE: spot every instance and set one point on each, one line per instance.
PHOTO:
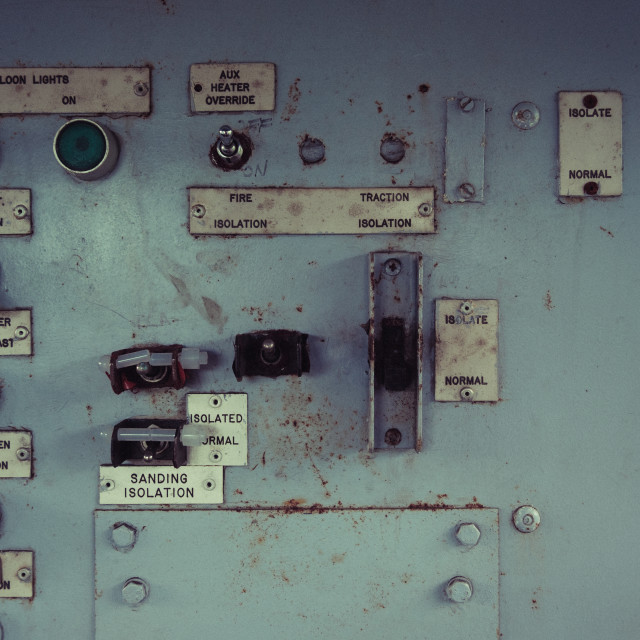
(525, 115)
(467, 104)
(468, 534)
(23, 454)
(466, 191)
(20, 212)
(459, 589)
(425, 209)
(466, 394)
(135, 591)
(123, 536)
(392, 267)
(24, 574)
(198, 211)
(141, 88)
(526, 518)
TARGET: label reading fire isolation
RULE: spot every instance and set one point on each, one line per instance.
(271, 211)
(75, 90)
(466, 350)
(590, 143)
(221, 419)
(160, 484)
(233, 86)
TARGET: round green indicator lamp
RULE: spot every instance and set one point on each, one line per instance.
(85, 149)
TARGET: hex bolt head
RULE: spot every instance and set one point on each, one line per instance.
(526, 518)
(123, 536)
(459, 589)
(468, 534)
(135, 591)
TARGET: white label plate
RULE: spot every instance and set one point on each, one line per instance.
(73, 90)
(466, 350)
(15, 212)
(15, 454)
(268, 211)
(233, 86)
(15, 332)
(160, 484)
(590, 143)
(224, 415)
(12, 563)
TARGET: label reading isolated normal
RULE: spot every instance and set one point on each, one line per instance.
(160, 484)
(590, 143)
(222, 418)
(75, 90)
(15, 454)
(15, 212)
(15, 332)
(233, 86)
(18, 574)
(269, 211)
(466, 350)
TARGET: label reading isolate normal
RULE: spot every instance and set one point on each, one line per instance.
(75, 90)
(15, 332)
(590, 143)
(160, 484)
(221, 419)
(466, 350)
(233, 86)
(269, 211)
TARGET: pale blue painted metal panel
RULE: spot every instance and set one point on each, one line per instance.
(97, 274)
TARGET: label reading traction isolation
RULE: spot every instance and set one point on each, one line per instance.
(271, 211)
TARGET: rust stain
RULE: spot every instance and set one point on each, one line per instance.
(607, 232)
(547, 301)
(214, 313)
(299, 308)
(424, 88)
(292, 106)
(379, 106)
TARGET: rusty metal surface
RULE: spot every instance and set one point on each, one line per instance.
(111, 264)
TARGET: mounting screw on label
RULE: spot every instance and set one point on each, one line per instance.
(107, 485)
(209, 484)
(23, 454)
(466, 394)
(21, 333)
(215, 401)
(198, 211)
(141, 88)
(425, 209)
(24, 574)
(466, 307)
(20, 212)
(215, 456)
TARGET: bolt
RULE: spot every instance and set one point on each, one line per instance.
(24, 574)
(20, 212)
(525, 115)
(468, 534)
(467, 393)
(425, 209)
(526, 519)
(23, 454)
(198, 211)
(21, 333)
(467, 104)
(392, 267)
(466, 191)
(123, 536)
(141, 88)
(135, 591)
(459, 589)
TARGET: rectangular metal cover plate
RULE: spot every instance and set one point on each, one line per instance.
(75, 90)
(160, 484)
(15, 454)
(15, 212)
(14, 583)
(269, 211)
(15, 332)
(464, 150)
(590, 143)
(233, 86)
(224, 415)
(466, 350)
(368, 573)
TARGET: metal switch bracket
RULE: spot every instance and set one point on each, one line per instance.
(395, 351)
(464, 156)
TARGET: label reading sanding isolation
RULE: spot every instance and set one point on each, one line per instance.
(233, 86)
(272, 211)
